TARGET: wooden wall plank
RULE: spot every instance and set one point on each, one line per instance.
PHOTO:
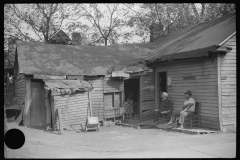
(96, 95)
(204, 87)
(147, 92)
(228, 85)
(71, 111)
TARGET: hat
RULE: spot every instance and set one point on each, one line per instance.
(165, 94)
(188, 92)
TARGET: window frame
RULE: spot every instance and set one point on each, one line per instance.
(113, 97)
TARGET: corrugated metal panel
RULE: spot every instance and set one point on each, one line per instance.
(66, 86)
(74, 109)
(204, 87)
(229, 87)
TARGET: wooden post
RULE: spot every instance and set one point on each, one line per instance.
(60, 120)
(90, 105)
(53, 111)
(123, 102)
(219, 91)
(140, 97)
(27, 102)
(114, 106)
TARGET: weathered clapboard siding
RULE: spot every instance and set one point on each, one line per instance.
(20, 89)
(147, 91)
(228, 87)
(204, 87)
(96, 95)
(73, 108)
(110, 85)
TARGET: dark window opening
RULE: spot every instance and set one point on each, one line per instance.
(162, 83)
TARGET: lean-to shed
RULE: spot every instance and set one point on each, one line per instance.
(201, 59)
(95, 64)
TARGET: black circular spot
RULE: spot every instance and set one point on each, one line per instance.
(14, 138)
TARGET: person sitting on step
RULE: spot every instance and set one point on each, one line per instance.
(163, 107)
(188, 109)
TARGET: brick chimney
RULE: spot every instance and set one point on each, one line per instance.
(76, 38)
(156, 31)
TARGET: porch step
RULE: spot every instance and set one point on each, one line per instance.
(194, 130)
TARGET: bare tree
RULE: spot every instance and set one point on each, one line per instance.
(43, 20)
(167, 17)
(107, 21)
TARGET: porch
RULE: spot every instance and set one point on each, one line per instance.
(149, 124)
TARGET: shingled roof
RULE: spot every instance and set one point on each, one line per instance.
(194, 41)
(58, 60)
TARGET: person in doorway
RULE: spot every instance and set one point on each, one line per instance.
(129, 105)
(163, 107)
(188, 109)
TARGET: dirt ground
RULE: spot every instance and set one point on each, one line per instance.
(114, 141)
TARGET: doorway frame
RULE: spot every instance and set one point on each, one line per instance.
(140, 97)
(158, 84)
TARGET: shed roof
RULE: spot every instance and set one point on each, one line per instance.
(194, 41)
(56, 59)
(67, 86)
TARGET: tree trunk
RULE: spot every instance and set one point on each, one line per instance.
(105, 41)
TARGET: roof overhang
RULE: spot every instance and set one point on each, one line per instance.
(201, 52)
(67, 86)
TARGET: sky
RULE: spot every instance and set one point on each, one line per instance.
(135, 39)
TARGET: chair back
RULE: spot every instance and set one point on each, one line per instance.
(169, 105)
(197, 107)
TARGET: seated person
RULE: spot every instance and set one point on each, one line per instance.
(163, 107)
(188, 109)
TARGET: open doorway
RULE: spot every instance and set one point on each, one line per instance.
(162, 84)
(131, 89)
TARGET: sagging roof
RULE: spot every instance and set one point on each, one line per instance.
(194, 41)
(58, 60)
(67, 86)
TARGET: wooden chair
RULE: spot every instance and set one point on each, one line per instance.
(163, 117)
(194, 119)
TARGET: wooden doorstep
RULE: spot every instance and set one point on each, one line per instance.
(128, 125)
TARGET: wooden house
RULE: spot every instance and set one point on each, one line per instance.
(37, 62)
(60, 37)
(201, 59)
(39, 97)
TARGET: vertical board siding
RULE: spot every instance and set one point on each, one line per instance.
(20, 89)
(96, 95)
(228, 87)
(110, 85)
(204, 87)
(147, 91)
(73, 107)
